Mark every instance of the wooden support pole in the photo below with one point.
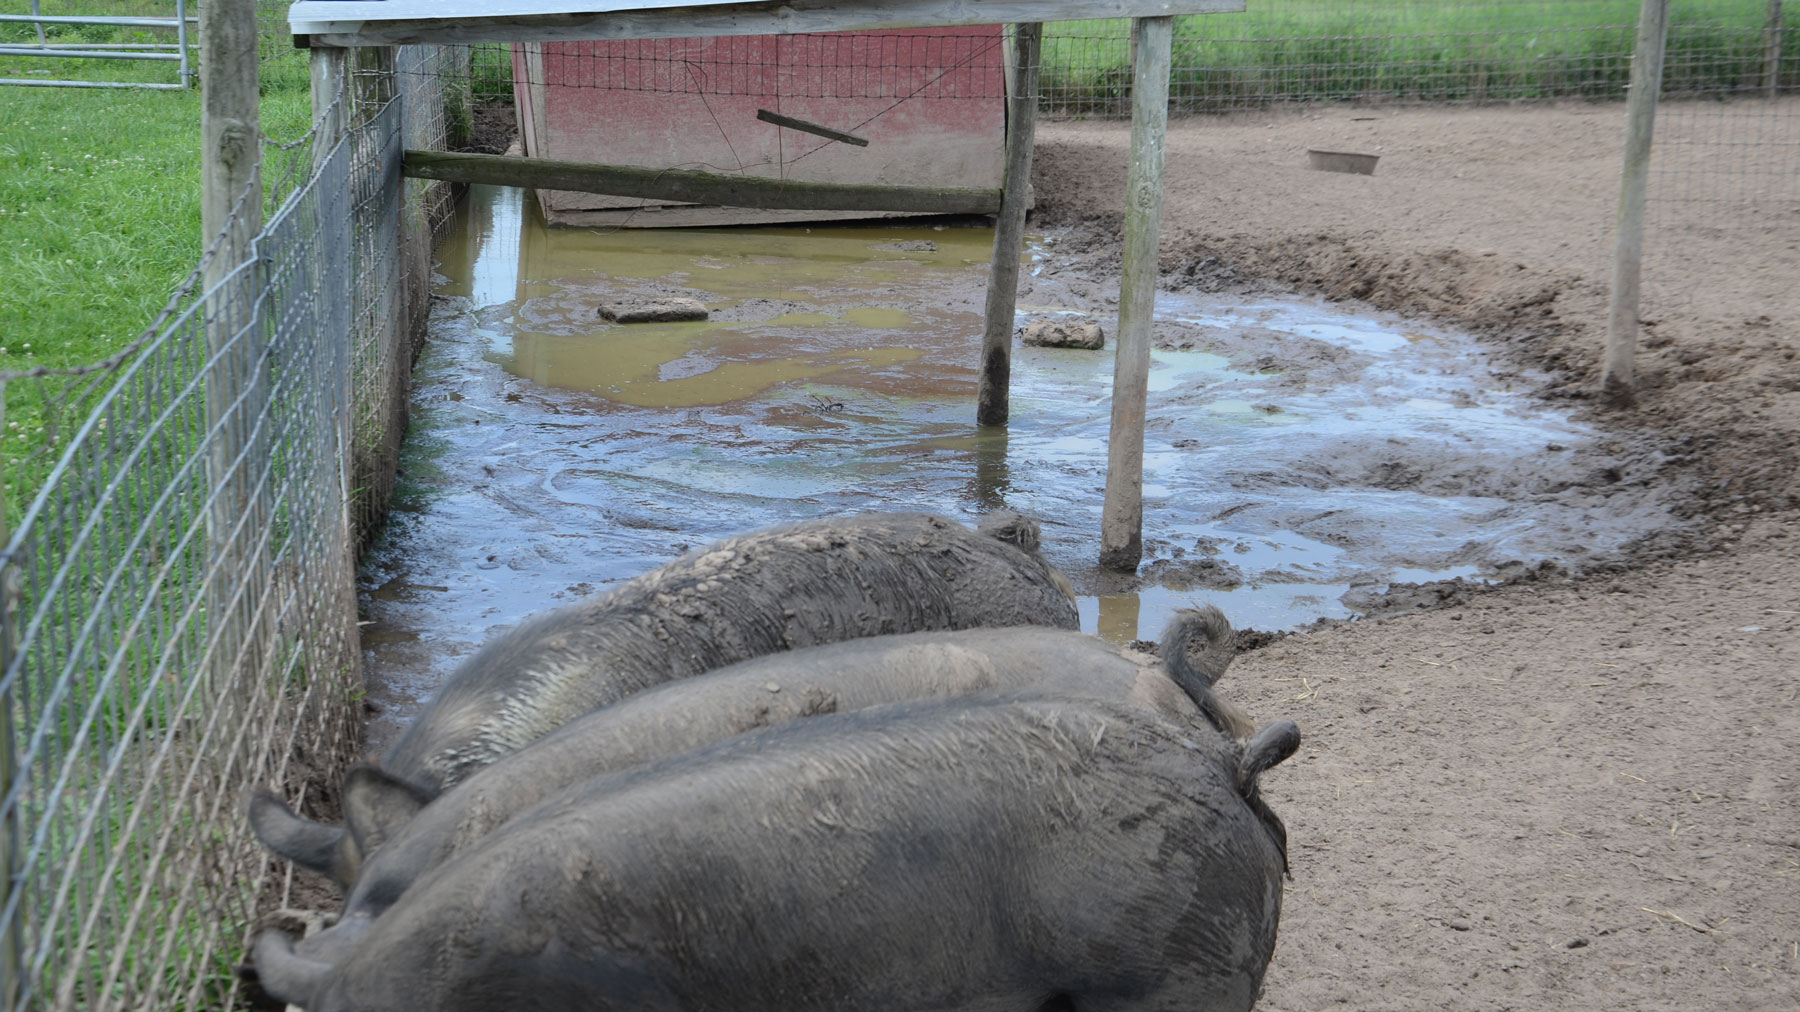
(330, 100)
(697, 187)
(1122, 515)
(994, 405)
(230, 131)
(230, 218)
(1772, 50)
(1618, 380)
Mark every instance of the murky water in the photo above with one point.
(1295, 457)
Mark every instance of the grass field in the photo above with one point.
(99, 208)
(1426, 50)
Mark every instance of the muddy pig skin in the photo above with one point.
(985, 853)
(717, 705)
(806, 584)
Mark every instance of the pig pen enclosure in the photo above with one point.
(1565, 777)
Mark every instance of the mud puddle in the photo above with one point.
(1298, 460)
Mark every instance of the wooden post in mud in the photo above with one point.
(1122, 516)
(1618, 379)
(994, 404)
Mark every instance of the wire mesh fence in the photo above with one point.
(1724, 167)
(179, 588)
(1308, 51)
(1276, 52)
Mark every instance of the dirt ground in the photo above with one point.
(1574, 791)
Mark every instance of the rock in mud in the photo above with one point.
(664, 310)
(1056, 334)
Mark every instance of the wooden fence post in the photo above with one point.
(1618, 380)
(230, 130)
(1122, 516)
(330, 99)
(231, 216)
(994, 405)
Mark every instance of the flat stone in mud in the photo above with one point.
(665, 310)
(1054, 334)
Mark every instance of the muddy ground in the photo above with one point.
(1572, 791)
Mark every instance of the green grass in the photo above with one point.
(1426, 50)
(99, 213)
(491, 74)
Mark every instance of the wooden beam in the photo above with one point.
(1618, 380)
(688, 186)
(769, 116)
(1122, 513)
(414, 22)
(230, 217)
(993, 406)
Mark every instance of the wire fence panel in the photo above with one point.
(180, 592)
(141, 716)
(1276, 52)
(1719, 172)
(1310, 51)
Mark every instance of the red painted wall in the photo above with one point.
(931, 103)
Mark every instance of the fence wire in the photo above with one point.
(1720, 172)
(180, 605)
(1277, 52)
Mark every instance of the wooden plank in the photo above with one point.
(696, 187)
(1618, 380)
(412, 22)
(1122, 513)
(993, 406)
(768, 116)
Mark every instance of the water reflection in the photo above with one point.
(1117, 618)
(992, 482)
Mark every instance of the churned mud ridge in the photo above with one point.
(1621, 481)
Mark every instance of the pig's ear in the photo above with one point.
(307, 843)
(376, 806)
